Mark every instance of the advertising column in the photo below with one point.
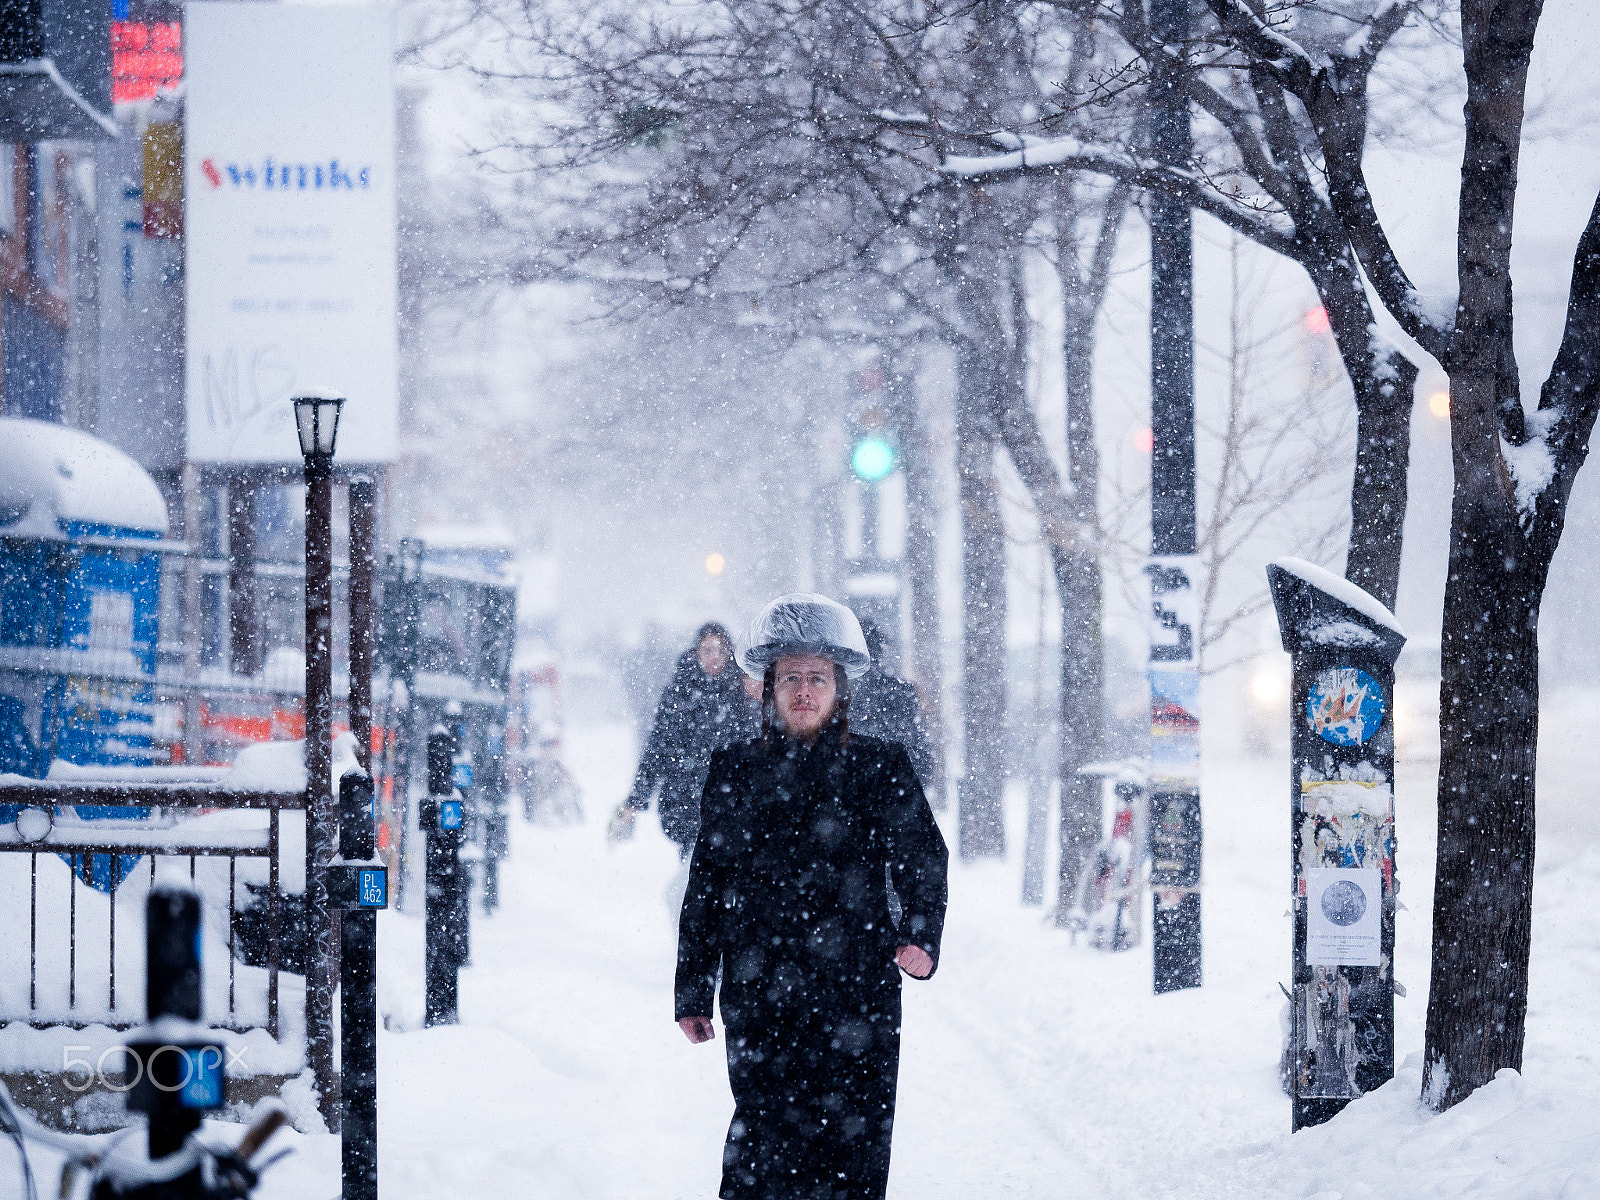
(1343, 886)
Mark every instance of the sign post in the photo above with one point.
(358, 884)
(1174, 795)
(1343, 645)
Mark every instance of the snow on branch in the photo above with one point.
(1570, 398)
(1272, 230)
(1261, 41)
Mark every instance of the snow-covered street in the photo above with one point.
(1032, 1067)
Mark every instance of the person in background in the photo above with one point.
(702, 708)
(885, 707)
(787, 911)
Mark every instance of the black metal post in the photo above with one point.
(405, 611)
(172, 989)
(244, 626)
(177, 1069)
(321, 817)
(442, 818)
(363, 536)
(358, 1000)
(1342, 881)
(1175, 766)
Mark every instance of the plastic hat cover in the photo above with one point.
(805, 623)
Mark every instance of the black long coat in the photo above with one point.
(787, 898)
(697, 714)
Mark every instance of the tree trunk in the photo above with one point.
(1489, 727)
(980, 796)
(1378, 489)
(1489, 692)
(1082, 646)
(922, 575)
(1383, 381)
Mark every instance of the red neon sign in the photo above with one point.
(144, 59)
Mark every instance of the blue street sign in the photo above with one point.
(450, 814)
(374, 888)
(461, 775)
(202, 1087)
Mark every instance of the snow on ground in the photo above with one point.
(1031, 1067)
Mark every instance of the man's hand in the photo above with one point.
(698, 1029)
(914, 961)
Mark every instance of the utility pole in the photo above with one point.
(1175, 830)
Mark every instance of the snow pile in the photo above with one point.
(1343, 633)
(1513, 1138)
(52, 474)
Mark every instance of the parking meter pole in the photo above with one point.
(1343, 644)
(441, 819)
(358, 997)
(172, 989)
(468, 850)
(175, 1065)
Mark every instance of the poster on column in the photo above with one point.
(289, 186)
(1344, 910)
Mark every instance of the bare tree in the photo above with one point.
(1259, 170)
(1514, 472)
(711, 135)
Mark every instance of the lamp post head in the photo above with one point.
(316, 419)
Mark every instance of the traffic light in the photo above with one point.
(872, 458)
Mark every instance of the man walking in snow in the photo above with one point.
(788, 900)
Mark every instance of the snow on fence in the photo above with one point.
(77, 876)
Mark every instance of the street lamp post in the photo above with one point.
(316, 418)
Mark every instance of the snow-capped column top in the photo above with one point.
(1318, 609)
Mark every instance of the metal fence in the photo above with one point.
(103, 846)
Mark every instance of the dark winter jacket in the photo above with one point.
(886, 708)
(788, 900)
(788, 878)
(698, 713)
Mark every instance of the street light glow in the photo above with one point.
(872, 460)
(1439, 404)
(714, 563)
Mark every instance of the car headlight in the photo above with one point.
(1268, 688)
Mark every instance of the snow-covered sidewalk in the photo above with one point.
(1031, 1067)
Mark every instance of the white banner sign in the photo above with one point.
(1344, 917)
(289, 185)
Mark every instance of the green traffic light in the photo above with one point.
(872, 459)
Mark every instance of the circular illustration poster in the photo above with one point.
(1345, 706)
(1344, 903)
